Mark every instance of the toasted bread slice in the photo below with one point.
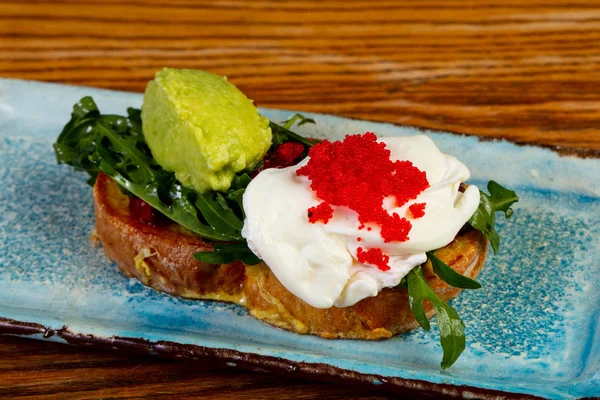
(162, 258)
(377, 317)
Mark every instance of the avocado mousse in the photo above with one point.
(202, 128)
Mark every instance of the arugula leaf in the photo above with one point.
(450, 276)
(303, 120)
(238, 188)
(218, 214)
(403, 283)
(225, 253)
(237, 197)
(240, 181)
(282, 134)
(115, 145)
(451, 327)
(500, 199)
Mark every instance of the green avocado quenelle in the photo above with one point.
(202, 128)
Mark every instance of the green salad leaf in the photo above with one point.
(450, 276)
(297, 117)
(225, 253)
(500, 199)
(115, 145)
(282, 133)
(450, 326)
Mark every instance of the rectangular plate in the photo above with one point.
(533, 329)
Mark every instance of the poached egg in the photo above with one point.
(318, 262)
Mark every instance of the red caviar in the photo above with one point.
(290, 151)
(285, 155)
(417, 210)
(374, 257)
(395, 228)
(322, 212)
(358, 173)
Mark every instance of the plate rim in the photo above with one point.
(254, 362)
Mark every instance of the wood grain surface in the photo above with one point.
(33, 369)
(524, 70)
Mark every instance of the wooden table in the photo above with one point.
(527, 71)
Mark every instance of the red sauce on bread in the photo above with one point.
(145, 213)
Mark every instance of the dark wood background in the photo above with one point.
(523, 70)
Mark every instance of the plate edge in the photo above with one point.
(256, 362)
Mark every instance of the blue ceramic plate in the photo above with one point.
(533, 329)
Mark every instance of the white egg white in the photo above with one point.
(317, 262)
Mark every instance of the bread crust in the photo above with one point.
(378, 317)
(162, 258)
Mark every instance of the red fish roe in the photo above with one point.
(395, 227)
(289, 152)
(322, 212)
(285, 154)
(357, 173)
(374, 257)
(417, 210)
